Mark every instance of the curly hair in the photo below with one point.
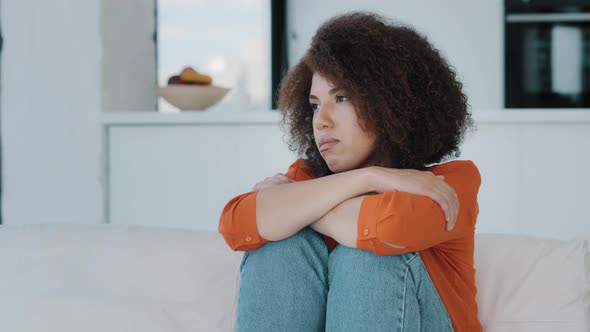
(403, 91)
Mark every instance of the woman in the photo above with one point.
(364, 232)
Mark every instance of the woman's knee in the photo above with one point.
(356, 261)
(284, 282)
(305, 239)
(380, 286)
(305, 246)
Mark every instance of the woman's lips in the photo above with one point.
(328, 145)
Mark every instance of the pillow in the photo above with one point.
(115, 278)
(532, 284)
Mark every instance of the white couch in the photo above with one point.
(132, 278)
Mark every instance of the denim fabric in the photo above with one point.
(296, 285)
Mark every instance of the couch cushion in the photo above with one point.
(115, 278)
(532, 284)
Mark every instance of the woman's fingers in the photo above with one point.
(270, 181)
(453, 201)
(422, 183)
(448, 200)
(279, 178)
(441, 198)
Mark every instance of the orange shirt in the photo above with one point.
(412, 221)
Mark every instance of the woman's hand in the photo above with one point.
(419, 183)
(272, 181)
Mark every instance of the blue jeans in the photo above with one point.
(296, 285)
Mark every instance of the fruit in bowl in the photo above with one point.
(190, 76)
(191, 90)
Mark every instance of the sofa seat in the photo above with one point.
(66, 278)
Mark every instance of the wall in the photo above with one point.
(129, 55)
(468, 33)
(50, 103)
(533, 177)
(65, 62)
(1, 42)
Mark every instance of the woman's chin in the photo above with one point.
(331, 163)
(336, 166)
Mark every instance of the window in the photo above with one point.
(229, 40)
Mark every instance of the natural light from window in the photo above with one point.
(228, 40)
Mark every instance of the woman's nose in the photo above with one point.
(323, 117)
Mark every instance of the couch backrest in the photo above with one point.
(532, 284)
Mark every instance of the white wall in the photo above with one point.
(63, 63)
(534, 178)
(52, 72)
(468, 33)
(129, 55)
(51, 102)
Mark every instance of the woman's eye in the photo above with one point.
(341, 98)
(313, 106)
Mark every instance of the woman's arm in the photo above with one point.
(283, 210)
(341, 222)
(397, 222)
(277, 208)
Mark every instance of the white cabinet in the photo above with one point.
(180, 170)
(181, 175)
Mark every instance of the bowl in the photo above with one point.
(191, 97)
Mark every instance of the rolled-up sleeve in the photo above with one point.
(412, 222)
(237, 223)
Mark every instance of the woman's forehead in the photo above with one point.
(319, 80)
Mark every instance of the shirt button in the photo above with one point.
(248, 238)
(366, 231)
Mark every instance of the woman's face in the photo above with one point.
(342, 142)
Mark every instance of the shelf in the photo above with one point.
(134, 118)
(548, 116)
(190, 118)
